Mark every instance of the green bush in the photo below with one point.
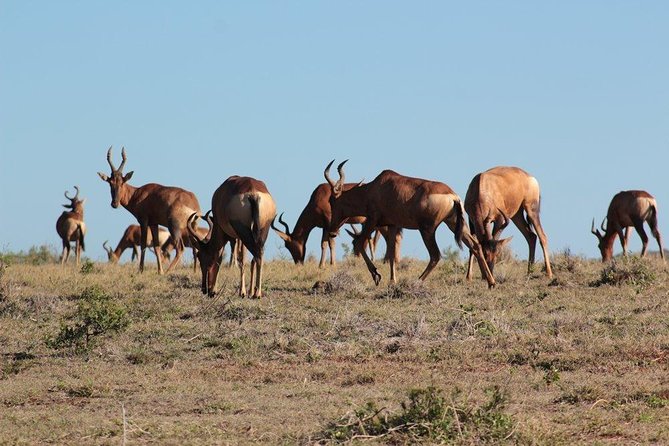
(96, 315)
(427, 416)
(36, 255)
(633, 271)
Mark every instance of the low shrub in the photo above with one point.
(95, 316)
(427, 416)
(627, 271)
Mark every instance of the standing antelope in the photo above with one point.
(398, 202)
(131, 239)
(495, 195)
(242, 209)
(71, 227)
(628, 208)
(152, 205)
(316, 214)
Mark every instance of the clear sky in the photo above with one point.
(576, 93)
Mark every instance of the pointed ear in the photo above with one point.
(83, 201)
(284, 237)
(103, 176)
(128, 175)
(504, 241)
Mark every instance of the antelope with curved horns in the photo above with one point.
(71, 227)
(152, 205)
(242, 209)
(494, 197)
(316, 214)
(398, 202)
(628, 208)
(131, 239)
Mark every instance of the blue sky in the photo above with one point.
(576, 93)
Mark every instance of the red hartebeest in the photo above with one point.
(628, 208)
(398, 202)
(131, 239)
(152, 205)
(242, 209)
(71, 227)
(496, 195)
(316, 214)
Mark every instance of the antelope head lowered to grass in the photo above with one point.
(398, 201)
(628, 208)
(493, 197)
(71, 227)
(131, 239)
(316, 214)
(152, 205)
(242, 209)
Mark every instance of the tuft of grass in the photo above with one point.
(627, 271)
(96, 315)
(341, 282)
(87, 267)
(427, 416)
(406, 289)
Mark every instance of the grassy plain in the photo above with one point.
(575, 362)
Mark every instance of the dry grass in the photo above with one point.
(576, 363)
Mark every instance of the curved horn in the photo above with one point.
(287, 231)
(340, 171)
(595, 231)
(191, 224)
(109, 159)
(355, 230)
(77, 194)
(106, 248)
(124, 159)
(602, 225)
(68, 197)
(326, 173)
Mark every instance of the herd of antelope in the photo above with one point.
(243, 211)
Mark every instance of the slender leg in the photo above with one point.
(63, 258)
(535, 221)
(77, 251)
(652, 222)
(135, 253)
(333, 255)
(366, 230)
(525, 229)
(242, 278)
(175, 231)
(638, 225)
(324, 245)
(430, 241)
(144, 233)
(194, 259)
(252, 282)
(156, 247)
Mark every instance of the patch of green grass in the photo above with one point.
(633, 271)
(427, 416)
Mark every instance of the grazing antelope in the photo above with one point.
(152, 205)
(71, 227)
(131, 239)
(628, 208)
(398, 202)
(316, 214)
(495, 195)
(242, 209)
